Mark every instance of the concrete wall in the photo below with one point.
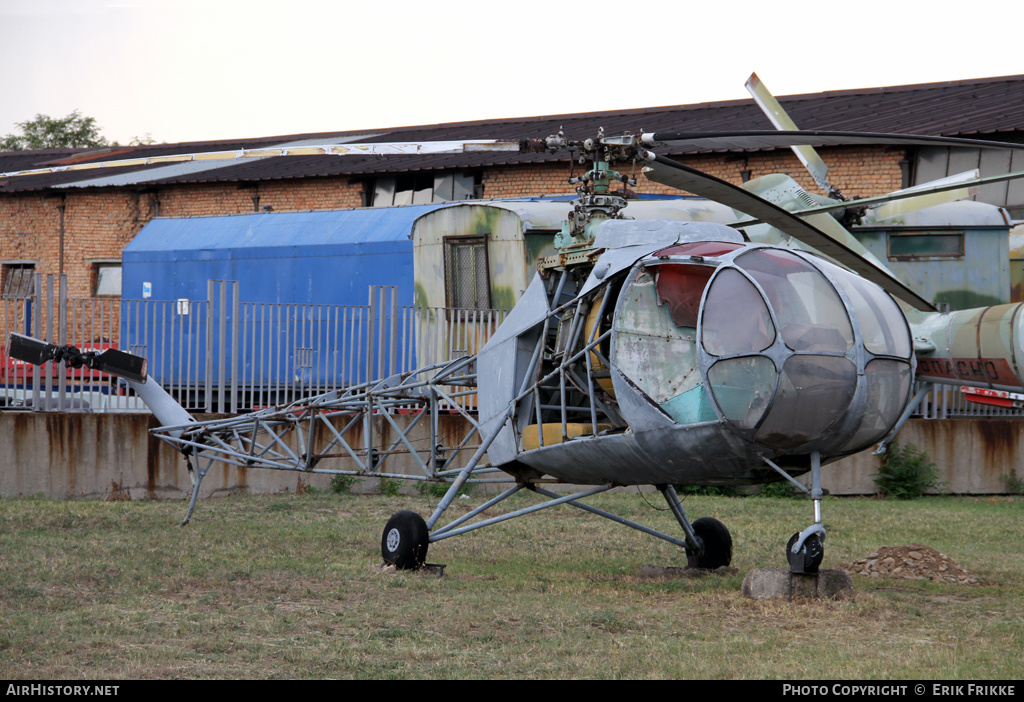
(93, 455)
(973, 456)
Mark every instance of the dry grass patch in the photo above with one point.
(290, 586)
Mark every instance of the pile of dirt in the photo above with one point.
(913, 562)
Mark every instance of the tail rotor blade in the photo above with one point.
(112, 361)
(122, 364)
(29, 350)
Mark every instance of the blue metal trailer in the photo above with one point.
(297, 313)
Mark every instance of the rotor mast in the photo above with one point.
(596, 201)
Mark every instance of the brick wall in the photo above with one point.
(98, 224)
(861, 172)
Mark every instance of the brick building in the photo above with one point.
(78, 222)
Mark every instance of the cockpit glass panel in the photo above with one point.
(743, 387)
(888, 384)
(681, 287)
(811, 314)
(881, 321)
(736, 319)
(814, 392)
(651, 349)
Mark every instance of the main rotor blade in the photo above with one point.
(951, 183)
(768, 139)
(668, 172)
(936, 192)
(782, 121)
(382, 149)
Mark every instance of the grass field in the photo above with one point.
(289, 586)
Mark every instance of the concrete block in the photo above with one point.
(767, 583)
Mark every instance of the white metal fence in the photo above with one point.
(947, 402)
(225, 355)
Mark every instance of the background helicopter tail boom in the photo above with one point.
(982, 347)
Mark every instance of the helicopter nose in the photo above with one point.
(801, 355)
(787, 350)
(778, 349)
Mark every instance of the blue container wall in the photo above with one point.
(325, 276)
(284, 260)
(302, 257)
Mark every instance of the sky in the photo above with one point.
(197, 70)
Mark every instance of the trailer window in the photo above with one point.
(466, 279)
(926, 246)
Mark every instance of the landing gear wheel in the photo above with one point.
(717, 545)
(405, 539)
(808, 558)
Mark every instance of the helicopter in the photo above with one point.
(643, 353)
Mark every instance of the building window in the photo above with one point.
(424, 188)
(106, 278)
(926, 246)
(466, 279)
(19, 280)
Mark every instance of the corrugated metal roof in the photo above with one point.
(988, 107)
(261, 235)
(326, 257)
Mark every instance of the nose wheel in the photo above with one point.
(805, 554)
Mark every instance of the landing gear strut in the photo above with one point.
(806, 549)
(708, 543)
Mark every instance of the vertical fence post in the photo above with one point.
(234, 346)
(222, 311)
(392, 369)
(381, 313)
(36, 324)
(208, 346)
(62, 339)
(50, 336)
(371, 322)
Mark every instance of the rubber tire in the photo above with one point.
(810, 556)
(404, 541)
(717, 545)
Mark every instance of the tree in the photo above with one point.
(45, 132)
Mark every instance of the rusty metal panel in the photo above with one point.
(1016, 281)
(992, 162)
(1015, 188)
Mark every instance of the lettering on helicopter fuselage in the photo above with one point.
(995, 371)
